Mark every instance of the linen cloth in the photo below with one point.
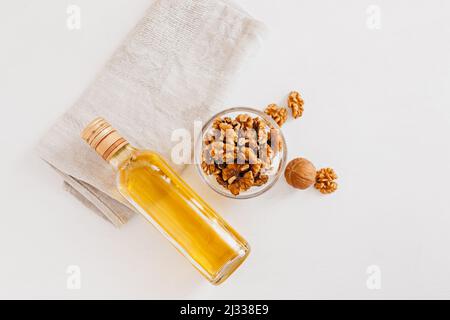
(169, 71)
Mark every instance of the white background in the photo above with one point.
(377, 110)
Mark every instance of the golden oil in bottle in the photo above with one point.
(163, 198)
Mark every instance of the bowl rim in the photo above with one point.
(199, 144)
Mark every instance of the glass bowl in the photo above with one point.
(273, 172)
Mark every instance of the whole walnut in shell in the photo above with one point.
(300, 173)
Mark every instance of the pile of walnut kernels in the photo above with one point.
(239, 152)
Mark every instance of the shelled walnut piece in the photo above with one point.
(238, 152)
(279, 114)
(295, 102)
(325, 180)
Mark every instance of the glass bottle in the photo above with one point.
(164, 199)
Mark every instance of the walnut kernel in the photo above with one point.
(295, 102)
(279, 114)
(325, 180)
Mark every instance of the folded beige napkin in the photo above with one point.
(169, 71)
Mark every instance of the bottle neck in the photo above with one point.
(121, 156)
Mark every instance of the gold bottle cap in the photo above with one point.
(103, 138)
